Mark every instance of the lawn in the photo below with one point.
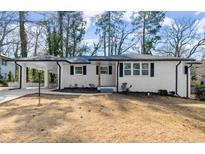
(106, 118)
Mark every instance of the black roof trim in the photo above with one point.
(195, 62)
(40, 60)
(46, 60)
(89, 59)
(142, 60)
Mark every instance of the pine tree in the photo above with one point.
(107, 28)
(148, 26)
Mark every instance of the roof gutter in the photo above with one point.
(117, 76)
(20, 72)
(187, 82)
(142, 59)
(176, 86)
(59, 73)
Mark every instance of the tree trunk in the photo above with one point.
(67, 35)
(36, 44)
(74, 43)
(60, 22)
(104, 43)
(109, 33)
(23, 36)
(143, 34)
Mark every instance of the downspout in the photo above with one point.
(187, 82)
(59, 82)
(117, 76)
(176, 86)
(20, 72)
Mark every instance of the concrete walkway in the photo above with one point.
(7, 95)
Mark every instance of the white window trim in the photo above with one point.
(127, 69)
(136, 69)
(132, 69)
(79, 73)
(148, 69)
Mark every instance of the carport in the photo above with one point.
(47, 64)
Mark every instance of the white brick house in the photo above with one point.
(145, 73)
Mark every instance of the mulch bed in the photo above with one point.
(78, 90)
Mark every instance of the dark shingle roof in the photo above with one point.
(87, 59)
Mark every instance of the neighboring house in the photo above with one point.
(145, 73)
(6, 67)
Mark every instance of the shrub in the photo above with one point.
(199, 92)
(1, 77)
(10, 77)
(3, 82)
(163, 92)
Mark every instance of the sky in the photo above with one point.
(128, 17)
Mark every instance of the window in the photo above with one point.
(145, 68)
(103, 70)
(136, 69)
(127, 69)
(79, 70)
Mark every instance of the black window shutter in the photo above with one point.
(121, 69)
(71, 70)
(185, 69)
(110, 69)
(152, 70)
(84, 70)
(97, 70)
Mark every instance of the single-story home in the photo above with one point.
(142, 73)
(6, 67)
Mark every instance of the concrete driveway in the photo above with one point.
(7, 94)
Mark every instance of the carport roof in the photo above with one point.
(88, 59)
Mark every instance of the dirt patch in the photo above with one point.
(106, 118)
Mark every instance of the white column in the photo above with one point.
(62, 76)
(189, 82)
(23, 76)
(46, 78)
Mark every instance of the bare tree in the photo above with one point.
(96, 47)
(181, 38)
(6, 27)
(125, 40)
(35, 38)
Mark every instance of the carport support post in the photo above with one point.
(39, 84)
(46, 78)
(59, 75)
(23, 76)
(39, 88)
